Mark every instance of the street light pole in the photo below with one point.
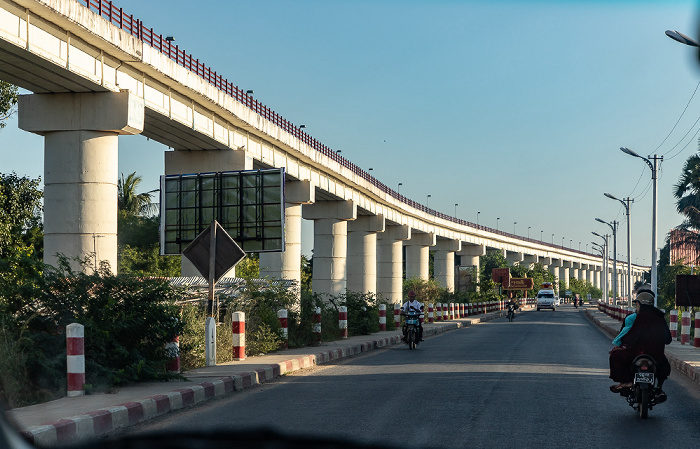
(477, 218)
(613, 226)
(654, 170)
(514, 223)
(627, 202)
(605, 264)
(497, 218)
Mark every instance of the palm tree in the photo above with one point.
(129, 201)
(687, 194)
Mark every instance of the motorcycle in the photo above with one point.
(645, 393)
(511, 312)
(411, 329)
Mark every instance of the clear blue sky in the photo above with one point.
(515, 109)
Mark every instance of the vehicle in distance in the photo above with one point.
(546, 298)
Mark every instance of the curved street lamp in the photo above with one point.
(605, 264)
(682, 38)
(626, 202)
(654, 167)
(613, 226)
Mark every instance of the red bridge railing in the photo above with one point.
(136, 28)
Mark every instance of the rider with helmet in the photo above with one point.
(412, 305)
(643, 332)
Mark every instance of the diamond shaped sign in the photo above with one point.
(226, 255)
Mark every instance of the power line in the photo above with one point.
(679, 118)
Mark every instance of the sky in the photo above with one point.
(513, 110)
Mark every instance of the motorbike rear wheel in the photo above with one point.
(510, 315)
(644, 403)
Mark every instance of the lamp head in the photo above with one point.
(630, 152)
(601, 221)
(610, 196)
(682, 38)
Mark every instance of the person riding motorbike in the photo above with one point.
(643, 332)
(512, 304)
(412, 305)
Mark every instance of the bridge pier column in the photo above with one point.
(514, 258)
(181, 162)
(330, 244)
(564, 275)
(469, 255)
(390, 262)
(362, 253)
(418, 255)
(81, 169)
(287, 264)
(444, 263)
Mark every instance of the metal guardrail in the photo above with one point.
(136, 28)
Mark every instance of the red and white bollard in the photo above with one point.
(284, 327)
(673, 325)
(343, 321)
(696, 338)
(452, 311)
(445, 314)
(316, 323)
(438, 310)
(173, 351)
(431, 318)
(382, 317)
(397, 315)
(685, 328)
(75, 359)
(238, 334)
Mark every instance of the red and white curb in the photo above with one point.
(109, 419)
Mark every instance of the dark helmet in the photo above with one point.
(645, 295)
(411, 294)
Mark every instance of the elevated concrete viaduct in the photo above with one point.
(99, 73)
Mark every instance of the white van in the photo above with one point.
(546, 298)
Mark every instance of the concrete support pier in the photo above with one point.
(81, 169)
(469, 255)
(330, 244)
(362, 253)
(287, 264)
(418, 255)
(390, 262)
(444, 263)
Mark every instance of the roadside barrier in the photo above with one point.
(445, 315)
(343, 321)
(431, 318)
(451, 312)
(173, 351)
(382, 317)
(673, 325)
(284, 327)
(238, 334)
(397, 315)
(438, 310)
(316, 323)
(696, 339)
(685, 328)
(75, 359)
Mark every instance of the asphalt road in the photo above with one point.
(541, 380)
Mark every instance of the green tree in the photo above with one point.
(687, 194)
(130, 202)
(20, 213)
(492, 259)
(8, 101)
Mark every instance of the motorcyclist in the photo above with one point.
(643, 332)
(512, 303)
(412, 305)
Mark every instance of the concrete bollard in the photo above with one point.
(382, 317)
(451, 311)
(445, 313)
(457, 314)
(685, 328)
(431, 318)
(438, 310)
(397, 315)
(316, 325)
(238, 334)
(173, 351)
(696, 338)
(673, 325)
(75, 359)
(284, 327)
(343, 321)
(421, 316)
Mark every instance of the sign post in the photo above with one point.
(213, 252)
